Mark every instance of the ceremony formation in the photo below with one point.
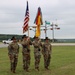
(45, 48)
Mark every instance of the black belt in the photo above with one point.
(35, 46)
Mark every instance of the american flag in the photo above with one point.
(26, 20)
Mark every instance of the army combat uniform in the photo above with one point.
(26, 54)
(46, 51)
(13, 50)
(37, 53)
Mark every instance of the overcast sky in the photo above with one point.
(61, 12)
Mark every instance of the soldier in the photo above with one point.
(13, 50)
(37, 52)
(46, 51)
(26, 52)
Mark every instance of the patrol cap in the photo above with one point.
(24, 36)
(46, 38)
(36, 37)
(13, 38)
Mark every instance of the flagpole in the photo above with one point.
(38, 21)
(28, 31)
(26, 20)
(45, 30)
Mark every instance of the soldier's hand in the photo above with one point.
(12, 47)
(10, 56)
(28, 38)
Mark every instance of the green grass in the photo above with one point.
(62, 62)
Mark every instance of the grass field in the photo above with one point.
(62, 62)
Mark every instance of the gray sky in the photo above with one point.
(61, 12)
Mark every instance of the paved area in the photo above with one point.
(3, 45)
(53, 44)
(63, 44)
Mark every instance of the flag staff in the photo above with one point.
(38, 22)
(28, 31)
(26, 20)
(45, 30)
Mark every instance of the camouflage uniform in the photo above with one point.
(13, 50)
(26, 54)
(37, 53)
(47, 48)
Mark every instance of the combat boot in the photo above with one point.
(37, 69)
(27, 70)
(24, 68)
(14, 71)
(46, 68)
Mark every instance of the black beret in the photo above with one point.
(46, 38)
(13, 38)
(24, 36)
(35, 37)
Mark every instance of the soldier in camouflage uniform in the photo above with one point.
(46, 51)
(13, 50)
(37, 52)
(26, 52)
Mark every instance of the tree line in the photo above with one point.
(19, 37)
